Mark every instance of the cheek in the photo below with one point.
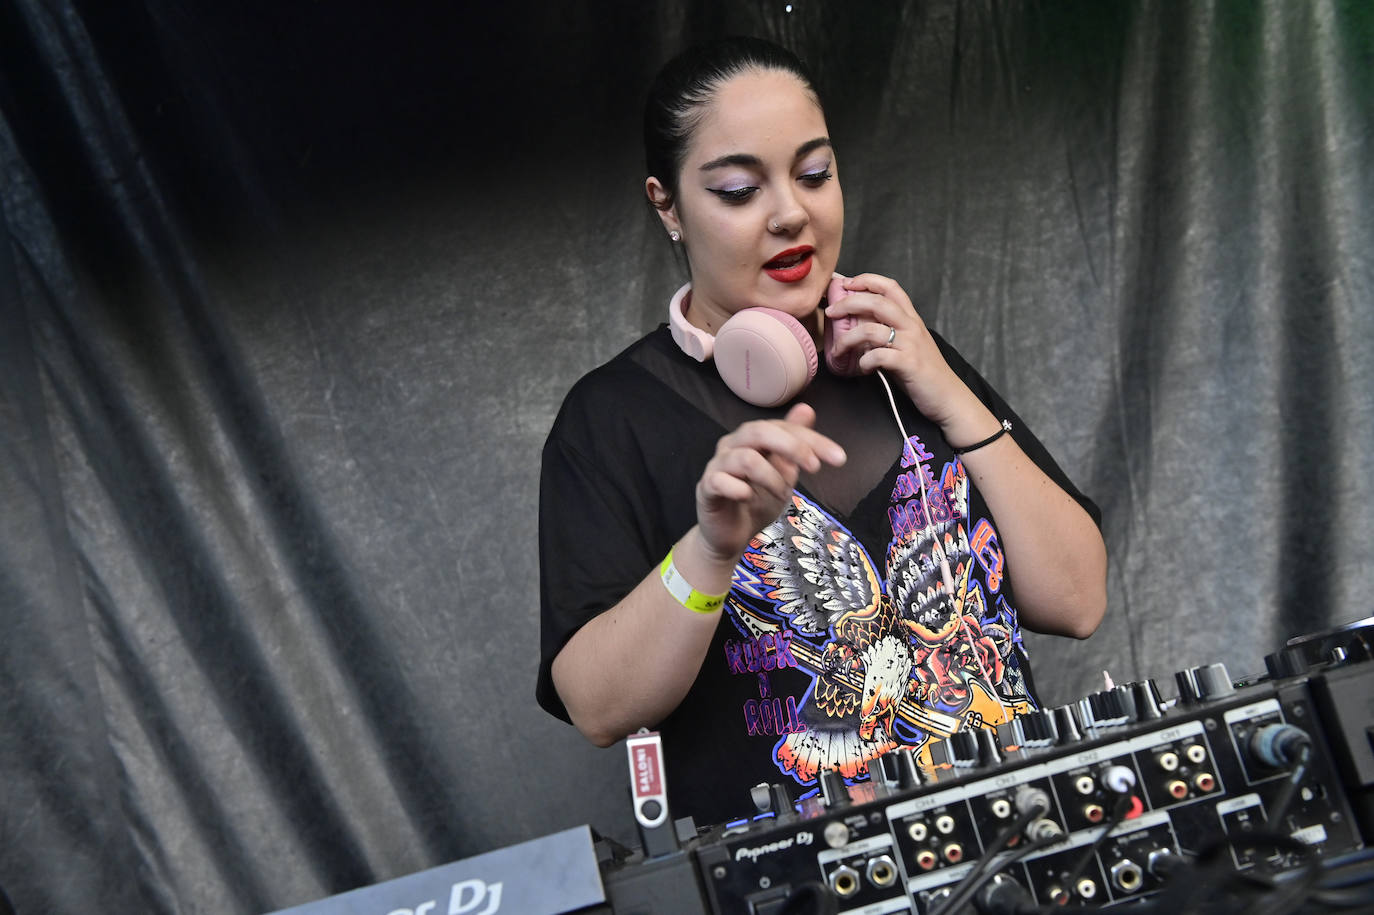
(730, 242)
(833, 215)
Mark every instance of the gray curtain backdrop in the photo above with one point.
(291, 293)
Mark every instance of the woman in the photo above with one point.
(785, 589)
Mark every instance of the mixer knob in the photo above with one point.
(1038, 729)
(989, 754)
(1011, 735)
(772, 799)
(888, 767)
(1066, 725)
(762, 798)
(900, 769)
(1201, 684)
(1286, 662)
(1106, 709)
(945, 753)
(1148, 705)
(967, 749)
(833, 789)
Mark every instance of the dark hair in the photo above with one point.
(688, 82)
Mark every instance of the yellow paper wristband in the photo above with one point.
(683, 592)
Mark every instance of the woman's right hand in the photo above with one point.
(751, 476)
(631, 665)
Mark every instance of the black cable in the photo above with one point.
(1118, 811)
(1350, 869)
(1193, 890)
(1290, 787)
(1004, 896)
(975, 877)
(1345, 899)
(1292, 897)
(809, 898)
(1343, 882)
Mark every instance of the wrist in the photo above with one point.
(970, 421)
(962, 450)
(705, 569)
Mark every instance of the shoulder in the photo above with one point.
(618, 405)
(620, 381)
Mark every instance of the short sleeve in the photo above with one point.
(1019, 430)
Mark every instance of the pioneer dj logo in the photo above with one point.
(758, 851)
(469, 897)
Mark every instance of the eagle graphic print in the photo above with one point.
(895, 654)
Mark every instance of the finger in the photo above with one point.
(879, 285)
(801, 414)
(797, 443)
(865, 308)
(871, 282)
(758, 474)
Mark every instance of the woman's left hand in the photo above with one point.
(1056, 550)
(891, 336)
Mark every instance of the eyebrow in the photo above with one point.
(753, 161)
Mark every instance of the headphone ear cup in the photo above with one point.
(765, 356)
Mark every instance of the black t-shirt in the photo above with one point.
(839, 639)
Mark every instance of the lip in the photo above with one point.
(795, 273)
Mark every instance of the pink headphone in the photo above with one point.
(764, 355)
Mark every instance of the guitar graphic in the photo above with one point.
(888, 656)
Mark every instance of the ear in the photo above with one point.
(660, 198)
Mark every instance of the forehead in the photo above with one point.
(754, 112)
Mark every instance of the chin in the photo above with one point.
(807, 297)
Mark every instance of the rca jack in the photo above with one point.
(844, 881)
(953, 853)
(1086, 887)
(1084, 784)
(917, 831)
(1178, 789)
(1001, 808)
(1196, 753)
(1168, 760)
(1204, 781)
(926, 860)
(1094, 813)
(881, 871)
(944, 824)
(1127, 876)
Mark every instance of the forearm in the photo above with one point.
(632, 665)
(1054, 552)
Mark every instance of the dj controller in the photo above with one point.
(1223, 796)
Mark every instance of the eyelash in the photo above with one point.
(740, 195)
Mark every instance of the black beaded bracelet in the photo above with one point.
(1006, 427)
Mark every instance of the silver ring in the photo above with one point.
(891, 335)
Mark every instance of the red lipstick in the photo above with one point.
(790, 266)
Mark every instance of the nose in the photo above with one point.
(789, 217)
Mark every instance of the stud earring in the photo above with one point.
(675, 235)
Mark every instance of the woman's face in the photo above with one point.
(759, 203)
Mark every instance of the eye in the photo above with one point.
(734, 194)
(816, 178)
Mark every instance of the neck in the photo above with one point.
(710, 320)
